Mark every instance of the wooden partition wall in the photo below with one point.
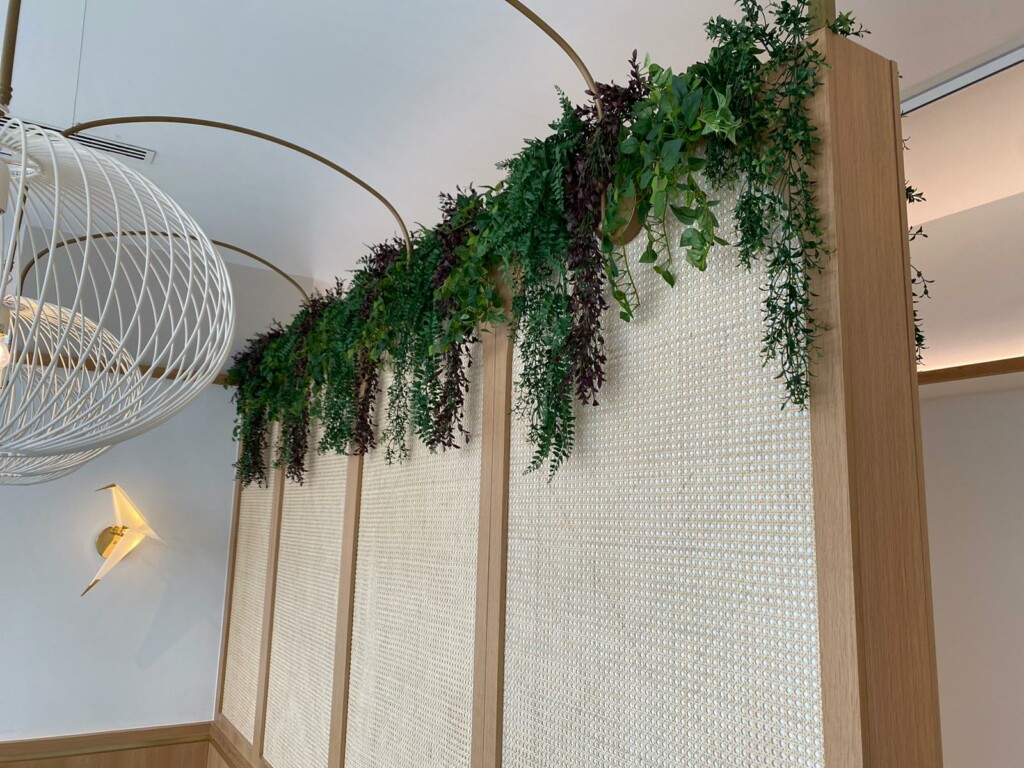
(756, 592)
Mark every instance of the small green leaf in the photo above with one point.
(670, 152)
(649, 256)
(659, 200)
(691, 107)
(692, 238)
(685, 215)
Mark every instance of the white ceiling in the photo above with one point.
(415, 97)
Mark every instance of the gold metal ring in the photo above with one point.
(564, 45)
(255, 134)
(103, 235)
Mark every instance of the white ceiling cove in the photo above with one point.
(414, 97)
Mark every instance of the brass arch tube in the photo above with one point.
(564, 45)
(255, 134)
(7, 56)
(268, 264)
(27, 269)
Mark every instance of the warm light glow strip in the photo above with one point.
(959, 82)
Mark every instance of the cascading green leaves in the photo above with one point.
(740, 117)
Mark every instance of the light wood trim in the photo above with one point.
(214, 758)
(879, 691)
(492, 547)
(233, 747)
(823, 12)
(346, 609)
(930, 665)
(188, 755)
(108, 741)
(269, 604)
(971, 371)
(229, 589)
(44, 359)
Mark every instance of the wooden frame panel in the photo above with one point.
(879, 683)
(228, 592)
(267, 636)
(251, 750)
(346, 608)
(492, 551)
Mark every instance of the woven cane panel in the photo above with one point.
(661, 590)
(411, 682)
(305, 615)
(245, 624)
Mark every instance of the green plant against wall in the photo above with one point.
(548, 233)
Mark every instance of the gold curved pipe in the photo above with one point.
(103, 235)
(7, 57)
(269, 265)
(255, 134)
(564, 45)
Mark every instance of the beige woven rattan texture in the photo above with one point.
(245, 624)
(661, 590)
(411, 682)
(305, 615)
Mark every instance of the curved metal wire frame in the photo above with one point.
(33, 470)
(86, 329)
(548, 30)
(268, 264)
(27, 269)
(89, 125)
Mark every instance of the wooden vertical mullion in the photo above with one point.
(228, 592)
(346, 608)
(269, 601)
(483, 549)
(492, 549)
(876, 636)
(931, 671)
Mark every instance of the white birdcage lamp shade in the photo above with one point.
(115, 307)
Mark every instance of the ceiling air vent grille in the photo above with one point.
(110, 146)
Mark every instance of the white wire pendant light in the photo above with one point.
(116, 310)
(31, 470)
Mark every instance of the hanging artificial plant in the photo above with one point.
(549, 232)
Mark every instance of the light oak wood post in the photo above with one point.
(229, 592)
(879, 682)
(492, 548)
(346, 608)
(823, 12)
(269, 602)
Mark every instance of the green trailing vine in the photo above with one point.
(919, 284)
(547, 233)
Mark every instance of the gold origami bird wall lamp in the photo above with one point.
(116, 541)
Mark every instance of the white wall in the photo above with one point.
(974, 472)
(142, 648)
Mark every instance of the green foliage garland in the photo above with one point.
(547, 233)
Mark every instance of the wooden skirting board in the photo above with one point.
(195, 745)
(172, 746)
